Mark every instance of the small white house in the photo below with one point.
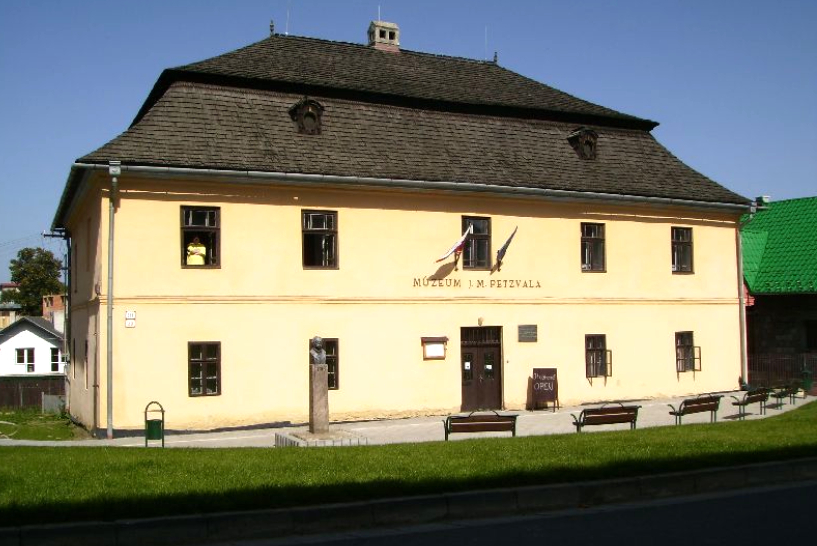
(31, 346)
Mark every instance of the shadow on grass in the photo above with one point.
(290, 496)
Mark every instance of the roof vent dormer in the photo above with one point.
(583, 141)
(384, 36)
(307, 114)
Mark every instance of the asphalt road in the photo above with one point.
(746, 517)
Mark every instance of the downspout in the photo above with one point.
(69, 283)
(114, 169)
(744, 349)
(744, 356)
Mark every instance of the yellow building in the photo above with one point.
(300, 187)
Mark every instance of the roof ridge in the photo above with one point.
(356, 45)
(408, 75)
(370, 48)
(793, 199)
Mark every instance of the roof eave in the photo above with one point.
(76, 176)
(415, 185)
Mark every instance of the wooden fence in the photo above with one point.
(767, 370)
(27, 392)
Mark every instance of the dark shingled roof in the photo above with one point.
(405, 115)
(326, 66)
(205, 126)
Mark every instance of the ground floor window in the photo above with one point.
(55, 359)
(811, 335)
(332, 362)
(598, 359)
(687, 355)
(204, 368)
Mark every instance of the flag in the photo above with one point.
(501, 252)
(459, 244)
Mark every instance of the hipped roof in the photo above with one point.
(405, 115)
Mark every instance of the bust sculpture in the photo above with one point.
(317, 354)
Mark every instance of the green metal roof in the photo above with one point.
(780, 248)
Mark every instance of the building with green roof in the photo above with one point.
(780, 248)
(780, 272)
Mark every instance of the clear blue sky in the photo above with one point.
(733, 83)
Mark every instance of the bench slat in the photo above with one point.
(759, 396)
(699, 404)
(479, 423)
(480, 427)
(607, 415)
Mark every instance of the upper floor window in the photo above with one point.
(597, 358)
(687, 355)
(320, 239)
(592, 247)
(204, 368)
(476, 252)
(200, 236)
(26, 357)
(682, 250)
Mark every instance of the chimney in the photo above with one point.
(384, 36)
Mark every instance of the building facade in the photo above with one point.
(780, 269)
(31, 347)
(446, 227)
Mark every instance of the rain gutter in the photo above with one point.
(374, 182)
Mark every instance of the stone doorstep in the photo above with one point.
(228, 526)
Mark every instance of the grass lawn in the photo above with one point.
(31, 424)
(39, 484)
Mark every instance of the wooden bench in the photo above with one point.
(608, 414)
(479, 422)
(698, 404)
(782, 392)
(756, 396)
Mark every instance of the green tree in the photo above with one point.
(9, 296)
(37, 272)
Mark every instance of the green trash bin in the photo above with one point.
(808, 381)
(154, 428)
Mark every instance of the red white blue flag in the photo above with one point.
(457, 248)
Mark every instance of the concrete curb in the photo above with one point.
(226, 526)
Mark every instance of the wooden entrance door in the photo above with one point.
(481, 368)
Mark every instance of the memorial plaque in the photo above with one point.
(528, 332)
(545, 388)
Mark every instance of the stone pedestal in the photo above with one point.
(318, 398)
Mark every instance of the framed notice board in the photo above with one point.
(545, 388)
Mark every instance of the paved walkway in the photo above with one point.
(653, 413)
